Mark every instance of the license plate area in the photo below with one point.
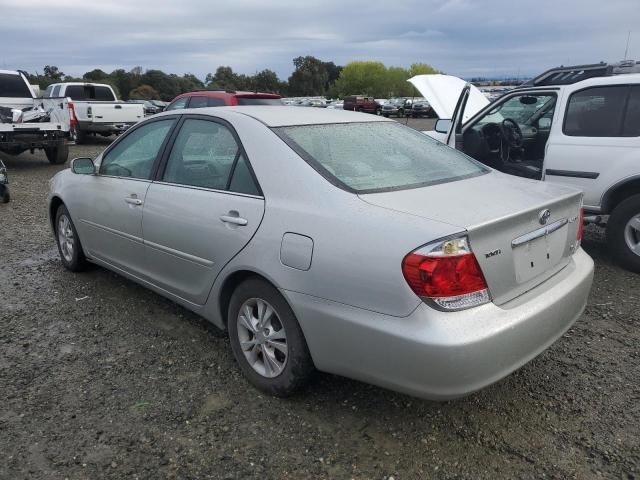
(542, 252)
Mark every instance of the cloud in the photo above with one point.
(462, 37)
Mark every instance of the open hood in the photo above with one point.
(442, 93)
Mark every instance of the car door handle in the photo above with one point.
(234, 220)
(133, 201)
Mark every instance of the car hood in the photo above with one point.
(442, 93)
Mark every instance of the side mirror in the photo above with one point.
(83, 166)
(443, 125)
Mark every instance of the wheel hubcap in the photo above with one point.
(65, 238)
(632, 234)
(262, 337)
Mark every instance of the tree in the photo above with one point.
(309, 78)
(52, 73)
(95, 75)
(144, 92)
(267, 81)
(421, 69)
(368, 78)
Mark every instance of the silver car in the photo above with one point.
(332, 240)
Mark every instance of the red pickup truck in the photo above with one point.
(361, 103)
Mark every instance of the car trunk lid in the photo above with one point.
(516, 248)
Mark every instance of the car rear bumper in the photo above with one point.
(443, 355)
(106, 127)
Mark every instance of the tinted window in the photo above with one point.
(631, 126)
(376, 156)
(180, 103)
(56, 91)
(202, 155)
(198, 102)
(242, 180)
(215, 102)
(47, 92)
(76, 92)
(13, 86)
(258, 101)
(103, 94)
(135, 154)
(596, 112)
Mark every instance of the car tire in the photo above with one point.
(59, 154)
(77, 135)
(623, 232)
(270, 349)
(5, 196)
(68, 242)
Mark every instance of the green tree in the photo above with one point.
(51, 72)
(95, 75)
(363, 77)
(309, 78)
(267, 81)
(421, 69)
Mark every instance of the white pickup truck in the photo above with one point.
(96, 109)
(30, 123)
(579, 126)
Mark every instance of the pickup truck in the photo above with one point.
(577, 126)
(30, 123)
(96, 109)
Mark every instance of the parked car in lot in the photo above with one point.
(361, 103)
(396, 107)
(435, 293)
(577, 126)
(421, 109)
(221, 98)
(336, 104)
(30, 123)
(149, 108)
(96, 109)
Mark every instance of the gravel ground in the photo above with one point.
(100, 378)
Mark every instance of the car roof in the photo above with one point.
(228, 93)
(281, 116)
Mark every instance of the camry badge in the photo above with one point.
(543, 216)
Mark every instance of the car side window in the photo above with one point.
(631, 126)
(135, 154)
(56, 91)
(215, 102)
(596, 112)
(178, 104)
(203, 155)
(242, 181)
(198, 102)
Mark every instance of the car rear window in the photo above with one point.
(372, 157)
(258, 101)
(13, 86)
(89, 92)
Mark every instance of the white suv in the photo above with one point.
(583, 133)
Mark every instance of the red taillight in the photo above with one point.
(580, 225)
(446, 273)
(73, 120)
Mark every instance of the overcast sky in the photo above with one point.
(462, 37)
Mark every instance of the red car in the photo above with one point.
(221, 98)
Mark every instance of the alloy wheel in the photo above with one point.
(262, 337)
(66, 239)
(632, 234)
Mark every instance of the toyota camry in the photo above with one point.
(332, 240)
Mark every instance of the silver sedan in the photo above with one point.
(332, 240)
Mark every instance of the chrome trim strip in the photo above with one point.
(177, 253)
(205, 189)
(114, 231)
(540, 232)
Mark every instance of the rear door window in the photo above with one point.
(56, 91)
(596, 112)
(76, 92)
(631, 126)
(203, 155)
(198, 102)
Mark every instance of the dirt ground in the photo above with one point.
(100, 378)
